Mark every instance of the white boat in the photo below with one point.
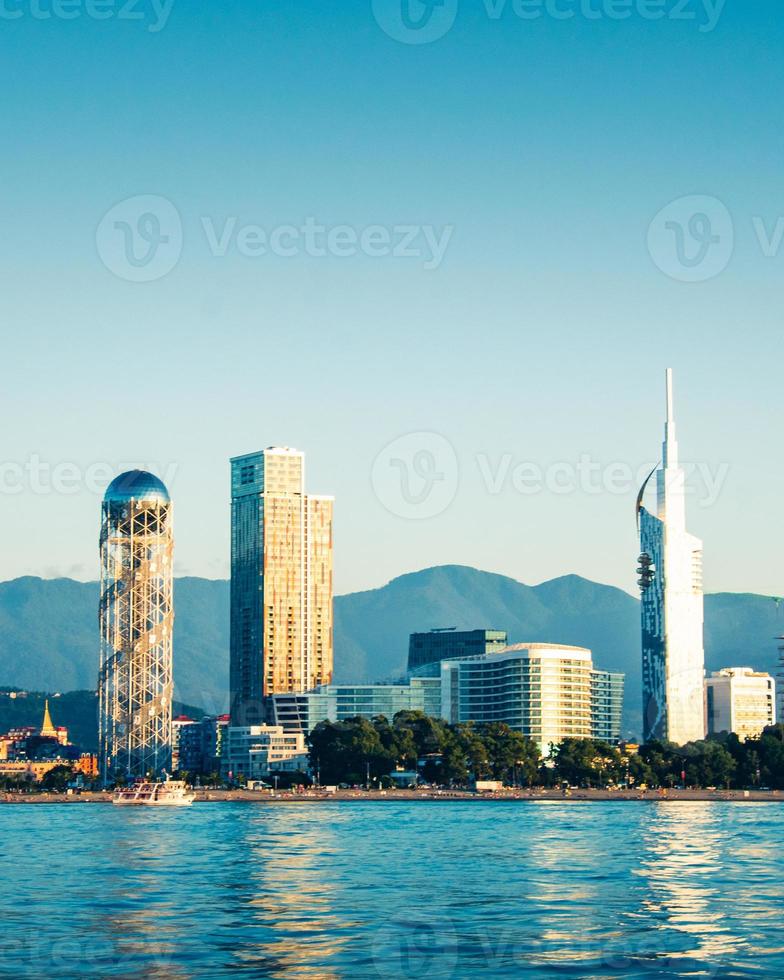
(170, 793)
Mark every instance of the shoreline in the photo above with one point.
(431, 796)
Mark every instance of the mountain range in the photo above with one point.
(48, 628)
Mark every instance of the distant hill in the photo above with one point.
(48, 628)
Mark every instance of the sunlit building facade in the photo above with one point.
(136, 618)
(543, 690)
(740, 700)
(256, 751)
(670, 580)
(337, 702)
(281, 582)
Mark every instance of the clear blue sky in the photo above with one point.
(547, 145)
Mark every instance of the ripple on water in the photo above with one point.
(395, 890)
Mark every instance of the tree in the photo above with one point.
(510, 754)
(57, 779)
(574, 761)
(344, 750)
(472, 745)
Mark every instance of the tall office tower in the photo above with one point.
(136, 619)
(670, 570)
(281, 582)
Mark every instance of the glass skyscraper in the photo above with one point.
(281, 582)
(670, 570)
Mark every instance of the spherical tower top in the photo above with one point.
(136, 485)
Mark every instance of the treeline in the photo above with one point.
(361, 749)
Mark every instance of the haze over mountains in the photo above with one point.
(48, 628)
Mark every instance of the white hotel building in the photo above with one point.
(546, 691)
(740, 700)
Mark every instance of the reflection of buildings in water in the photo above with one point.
(137, 930)
(566, 887)
(293, 898)
(681, 862)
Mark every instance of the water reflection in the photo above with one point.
(682, 864)
(393, 890)
(288, 851)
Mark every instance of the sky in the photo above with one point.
(447, 251)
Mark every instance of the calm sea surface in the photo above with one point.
(393, 890)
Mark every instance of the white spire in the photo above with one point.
(670, 447)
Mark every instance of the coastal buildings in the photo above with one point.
(607, 690)
(337, 702)
(198, 745)
(281, 583)
(182, 727)
(136, 618)
(740, 700)
(546, 691)
(426, 649)
(670, 579)
(256, 751)
(30, 752)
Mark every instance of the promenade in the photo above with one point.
(429, 796)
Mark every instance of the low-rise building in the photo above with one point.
(337, 702)
(198, 745)
(256, 751)
(739, 700)
(181, 726)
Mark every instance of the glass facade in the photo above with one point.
(607, 705)
(545, 691)
(670, 570)
(427, 649)
(336, 702)
(281, 582)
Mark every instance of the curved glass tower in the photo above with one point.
(670, 570)
(136, 619)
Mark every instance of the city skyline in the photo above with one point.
(495, 480)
